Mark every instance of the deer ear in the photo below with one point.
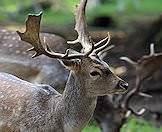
(70, 64)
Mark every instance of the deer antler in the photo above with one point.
(130, 61)
(31, 35)
(81, 27)
(101, 48)
(129, 95)
(103, 53)
(152, 50)
(83, 36)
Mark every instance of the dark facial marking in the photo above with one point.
(106, 71)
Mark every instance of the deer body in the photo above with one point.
(51, 112)
(21, 115)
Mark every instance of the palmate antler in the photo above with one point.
(83, 35)
(31, 35)
(145, 67)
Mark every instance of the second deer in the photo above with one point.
(14, 59)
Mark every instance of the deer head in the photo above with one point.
(86, 65)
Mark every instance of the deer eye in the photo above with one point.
(95, 73)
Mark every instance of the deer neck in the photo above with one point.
(78, 106)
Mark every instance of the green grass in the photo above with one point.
(91, 128)
(139, 125)
(133, 125)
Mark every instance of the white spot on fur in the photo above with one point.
(5, 108)
(17, 51)
(4, 44)
(19, 108)
(1, 123)
(3, 30)
(24, 52)
(10, 45)
(13, 38)
(2, 96)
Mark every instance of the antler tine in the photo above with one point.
(130, 94)
(144, 95)
(97, 50)
(83, 35)
(103, 53)
(136, 113)
(130, 61)
(152, 50)
(97, 45)
(140, 112)
(31, 35)
(81, 28)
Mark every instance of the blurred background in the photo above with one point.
(133, 24)
(114, 14)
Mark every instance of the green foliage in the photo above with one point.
(133, 125)
(139, 125)
(151, 6)
(71, 3)
(9, 10)
(57, 18)
(92, 128)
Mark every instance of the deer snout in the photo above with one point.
(122, 86)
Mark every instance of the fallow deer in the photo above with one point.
(31, 107)
(145, 67)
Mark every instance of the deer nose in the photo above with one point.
(123, 85)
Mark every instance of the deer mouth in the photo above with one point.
(121, 87)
